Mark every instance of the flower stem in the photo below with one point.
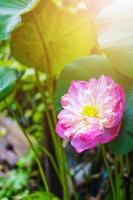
(109, 171)
(127, 164)
(116, 173)
(60, 155)
(49, 82)
(119, 169)
(47, 112)
(48, 154)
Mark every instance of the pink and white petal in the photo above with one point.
(71, 102)
(71, 124)
(92, 93)
(82, 89)
(60, 130)
(104, 88)
(109, 134)
(67, 127)
(77, 86)
(82, 145)
(104, 82)
(68, 115)
(87, 139)
(88, 127)
(79, 127)
(111, 102)
(80, 94)
(79, 91)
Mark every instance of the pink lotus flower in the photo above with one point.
(92, 112)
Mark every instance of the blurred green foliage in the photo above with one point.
(14, 185)
(19, 182)
(41, 196)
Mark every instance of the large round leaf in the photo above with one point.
(8, 78)
(94, 66)
(116, 33)
(10, 11)
(51, 37)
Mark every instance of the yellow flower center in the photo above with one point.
(91, 111)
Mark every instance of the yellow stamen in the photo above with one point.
(91, 111)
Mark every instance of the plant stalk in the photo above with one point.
(109, 172)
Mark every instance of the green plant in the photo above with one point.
(45, 36)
